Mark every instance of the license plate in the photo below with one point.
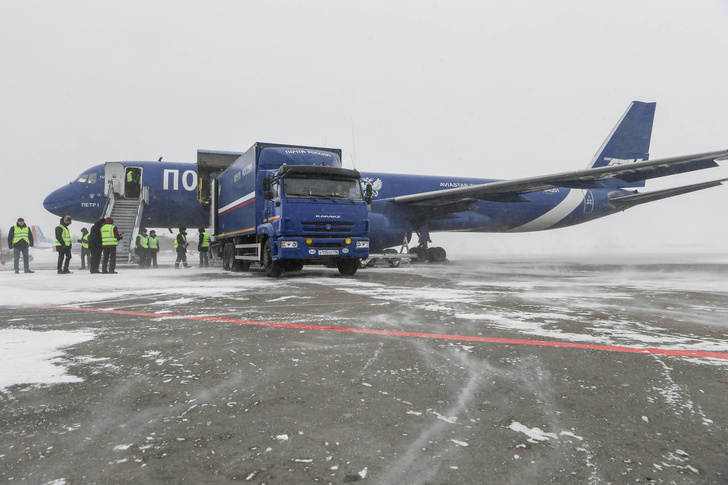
(328, 252)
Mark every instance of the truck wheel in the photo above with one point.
(228, 256)
(272, 268)
(347, 267)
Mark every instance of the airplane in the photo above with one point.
(40, 241)
(403, 205)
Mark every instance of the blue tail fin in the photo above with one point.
(629, 141)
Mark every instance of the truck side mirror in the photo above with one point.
(368, 197)
(267, 192)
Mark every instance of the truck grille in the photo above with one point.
(321, 226)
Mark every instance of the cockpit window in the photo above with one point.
(82, 178)
(92, 178)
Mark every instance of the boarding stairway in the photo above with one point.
(127, 216)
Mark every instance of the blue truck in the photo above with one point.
(285, 206)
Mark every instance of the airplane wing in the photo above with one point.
(460, 198)
(625, 202)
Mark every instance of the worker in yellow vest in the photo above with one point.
(20, 238)
(142, 248)
(63, 245)
(153, 248)
(132, 188)
(180, 245)
(84, 247)
(109, 241)
(203, 247)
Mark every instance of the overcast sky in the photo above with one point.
(472, 88)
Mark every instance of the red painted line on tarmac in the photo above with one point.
(395, 333)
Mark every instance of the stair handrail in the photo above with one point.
(110, 198)
(143, 200)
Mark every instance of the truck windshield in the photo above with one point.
(321, 188)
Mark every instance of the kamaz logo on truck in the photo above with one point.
(328, 216)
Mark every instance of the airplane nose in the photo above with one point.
(56, 202)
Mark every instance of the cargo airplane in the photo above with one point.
(406, 204)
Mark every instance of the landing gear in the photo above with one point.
(424, 252)
(436, 255)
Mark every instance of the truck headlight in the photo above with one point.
(362, 244)
(289, 244)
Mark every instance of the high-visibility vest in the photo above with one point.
(107, 235)
(66, 235)
(84, 241)
(176, 240)
(21, 234)
(205, 240)
(129, 176)
(144, 241)
(153, 242)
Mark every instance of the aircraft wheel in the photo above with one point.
(420, 254)
(436, 255)
(347, 267)
(272, 268)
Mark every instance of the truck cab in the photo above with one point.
(283, 207)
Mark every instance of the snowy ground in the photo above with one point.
(158, 374)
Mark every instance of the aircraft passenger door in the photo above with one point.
(133, 182)
(114, 173)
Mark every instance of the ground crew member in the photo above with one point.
(142, 248)
(203, 247)
(109, 241)
(20, 238)
(63, 245)
(180, 245)
(132, 189)
(84, 248)
(153, 247)
(94, 246)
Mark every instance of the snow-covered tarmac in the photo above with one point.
(454, 373)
